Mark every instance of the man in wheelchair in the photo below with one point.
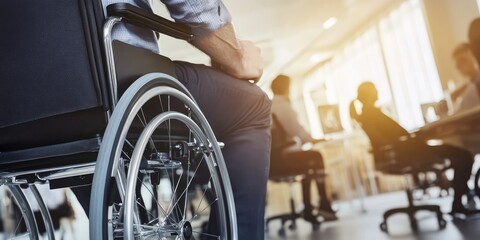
(237, 110)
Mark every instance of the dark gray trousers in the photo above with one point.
(239, 114)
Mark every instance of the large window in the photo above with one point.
(409, 59)
(395, 53)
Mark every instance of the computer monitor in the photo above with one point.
(330, 119)
(430, 111)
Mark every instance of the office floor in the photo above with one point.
(353, 224)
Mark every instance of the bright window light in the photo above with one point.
(394, 53)
(329, 23)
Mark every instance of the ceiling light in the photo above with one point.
(329, 23)
(315, 58)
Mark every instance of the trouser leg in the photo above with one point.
(310, 163)
(306, 185)
(461, 162)
(239, 113)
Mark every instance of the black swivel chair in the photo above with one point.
(280, 141)
(387, 159)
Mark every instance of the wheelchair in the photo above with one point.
(79, 109)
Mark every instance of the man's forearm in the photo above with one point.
(222, 46)
(237, 58)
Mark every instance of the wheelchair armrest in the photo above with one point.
(146, 19)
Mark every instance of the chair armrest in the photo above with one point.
(146, 19)
(283, 146)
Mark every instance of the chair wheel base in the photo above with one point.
(414, 225)
(292, 227)
(383, 227)
(442, 223)
(315, 227)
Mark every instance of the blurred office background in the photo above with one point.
(328, 47)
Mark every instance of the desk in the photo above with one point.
(462, 129)
(345, 158)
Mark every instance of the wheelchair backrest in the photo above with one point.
(53, 71)
(51, 66)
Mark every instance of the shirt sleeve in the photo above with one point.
(202, 16)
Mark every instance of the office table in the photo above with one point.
(462, 129)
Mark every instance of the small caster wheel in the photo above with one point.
(205, 227)
(383, 227)
(442, 223)
(292, 227)
(414, 226)
(281, 232)
(315, 227)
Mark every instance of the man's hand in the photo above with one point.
(252, 63)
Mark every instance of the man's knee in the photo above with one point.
(261, 104)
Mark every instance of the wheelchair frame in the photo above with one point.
(16, 180)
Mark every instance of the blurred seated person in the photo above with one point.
(372, 119)
(474, 40)
(294, 160)
(466, 96)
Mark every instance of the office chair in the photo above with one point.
(280, 141)
(387, 159)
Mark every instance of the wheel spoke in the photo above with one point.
(144, 121)
(129, 143)
(186, 197)
(203, 210)
(169, 131)
(142, 206)
(203, 197)
(188, 184)
(207, 234)
(174, 191)
(156, 200)
(189, 163)
(126, 155)
(18, 225)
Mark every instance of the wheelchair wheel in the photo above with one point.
(18, 221)
(157, 148)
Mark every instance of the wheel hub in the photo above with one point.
(161, 160)
(187, 230)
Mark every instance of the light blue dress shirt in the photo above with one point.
(203, 16)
